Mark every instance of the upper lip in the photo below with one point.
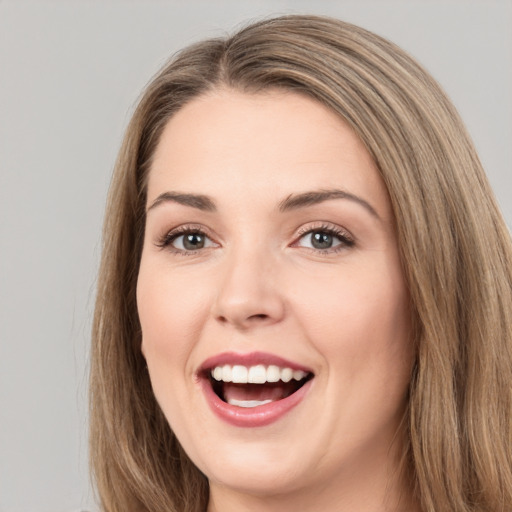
(250, 359)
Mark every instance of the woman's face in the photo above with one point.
(270, 256)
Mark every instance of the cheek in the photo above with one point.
(359, 319)
(170, 312)
(171, 309)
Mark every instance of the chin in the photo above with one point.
(256, 477)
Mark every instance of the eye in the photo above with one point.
(325, 239)
(191, 241)
(186, 240)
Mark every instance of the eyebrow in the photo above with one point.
(296, 201)
(198, 201)
(292, 202)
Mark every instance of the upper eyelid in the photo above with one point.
(344, 235)
(325, 226)
(189, 228)
(170, 235)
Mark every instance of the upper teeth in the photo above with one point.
(258, 374)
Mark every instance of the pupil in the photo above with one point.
(193, 241)
(321, 240)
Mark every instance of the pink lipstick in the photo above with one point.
(255, 389)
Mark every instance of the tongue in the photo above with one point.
(258, 392)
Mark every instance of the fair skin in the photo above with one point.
(250, 270)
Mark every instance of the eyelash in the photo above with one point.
(347, 241)
(165, 242)
(342, 235)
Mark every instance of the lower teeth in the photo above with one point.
(248, 403)
(268, 392)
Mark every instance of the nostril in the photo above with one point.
(247, 313)
(259, 316)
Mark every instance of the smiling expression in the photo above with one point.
(274, 312)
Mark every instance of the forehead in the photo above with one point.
(250, 146)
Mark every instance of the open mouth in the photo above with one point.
(254, 386)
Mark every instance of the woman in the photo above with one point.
(304, 293)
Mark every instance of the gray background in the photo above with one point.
(70, 72)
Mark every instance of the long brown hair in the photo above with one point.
(455, 248)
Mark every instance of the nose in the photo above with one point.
(248, 294)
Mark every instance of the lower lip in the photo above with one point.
(254, 416)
